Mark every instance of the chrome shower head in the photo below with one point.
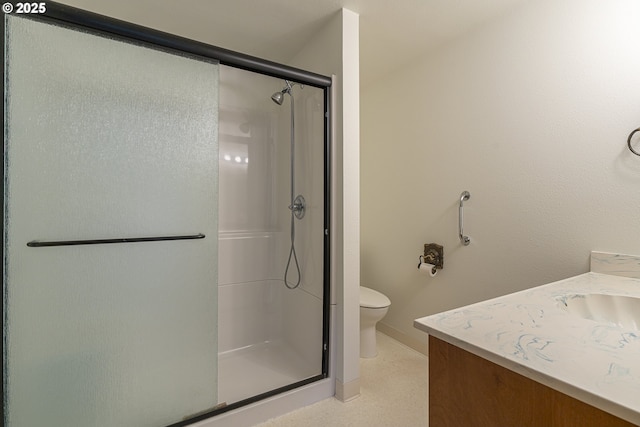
(278, 97)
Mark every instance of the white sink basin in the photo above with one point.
(620, 310)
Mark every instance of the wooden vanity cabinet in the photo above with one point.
(467, 390)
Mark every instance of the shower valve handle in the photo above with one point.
(298, 206)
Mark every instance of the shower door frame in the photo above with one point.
(99, 24)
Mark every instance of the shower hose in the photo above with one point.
(292, 207)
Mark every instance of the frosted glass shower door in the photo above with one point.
(108, 140)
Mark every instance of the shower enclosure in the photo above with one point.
(149, 226)
(270, 335)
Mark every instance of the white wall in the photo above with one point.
(531, 115)
(335, 51)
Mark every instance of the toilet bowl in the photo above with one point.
(373, 307)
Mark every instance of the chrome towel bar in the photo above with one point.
(465, 240)
(39, 244)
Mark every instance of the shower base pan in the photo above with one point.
(260, 368)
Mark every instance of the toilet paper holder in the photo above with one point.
(434, 255)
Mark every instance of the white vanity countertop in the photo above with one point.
(529, 332)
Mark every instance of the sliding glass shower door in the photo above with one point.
(110, 233)
(271, 336)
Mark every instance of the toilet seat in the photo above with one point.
(373, 299)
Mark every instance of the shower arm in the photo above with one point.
(289, 86)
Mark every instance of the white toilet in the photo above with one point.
(373, 307)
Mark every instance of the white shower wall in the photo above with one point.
(250, 305)
(255, 307)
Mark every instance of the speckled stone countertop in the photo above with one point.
(531, 333)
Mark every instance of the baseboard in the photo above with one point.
(348, 391)
(418, 345)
